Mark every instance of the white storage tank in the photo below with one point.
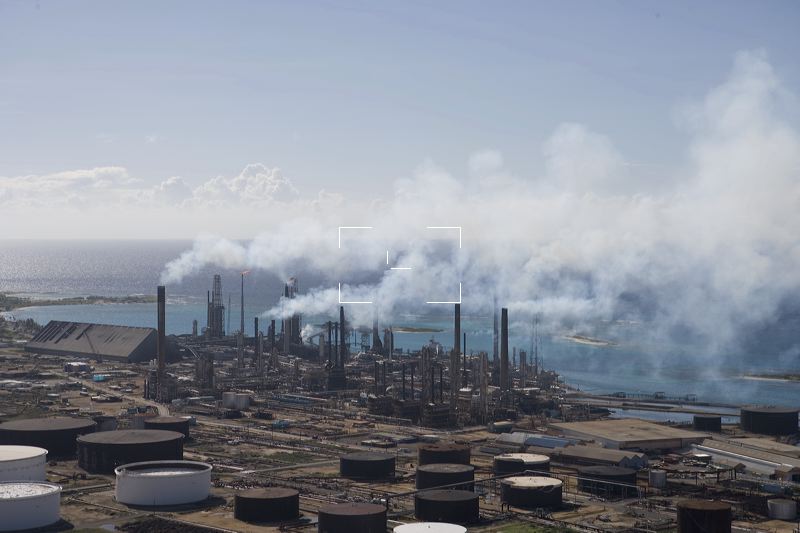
(229, 400)
(430, 527)
(156, 483)
(241, 401)
(658, 479)
(22, 463)
(781, 509)
(28, 505)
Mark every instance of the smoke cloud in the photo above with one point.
(707, 250)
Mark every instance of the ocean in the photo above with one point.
(56, 269)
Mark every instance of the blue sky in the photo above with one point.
(349, 96)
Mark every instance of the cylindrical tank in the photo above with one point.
(607, 480)
(229, 400)
(101, 453)
(456, 506)
(155, 483)
(707, 423)
(105, 422)
(704, 516)
(351, 517)
(430, 527)
(657, 479)
(443, 453)
(22, 463)
(515, 463)
(531, 492)
(28, 505)
(366, 465)
(769, 420)
(782, 509)
(168, 423)
(56, 435)
(241, 401)
(438, 474)
(273, 504)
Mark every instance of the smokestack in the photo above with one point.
(342, 348)
(255, 327)
(162, 341)
(330, 346)
(504, 381)
(457, 330)
(271, 335)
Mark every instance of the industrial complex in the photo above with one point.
(266, 428)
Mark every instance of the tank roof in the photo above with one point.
(162, 468)
(353, 509)
(15, 490)
(16, 453)
(47, 424)
(532, 482)
(268, 493)
(447, 495)
(704, 505)
(131, 436)
(770, 409)
(527, 458)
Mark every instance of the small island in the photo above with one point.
(10, 302)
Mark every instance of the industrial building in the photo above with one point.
(752, 459)
(96, 341)
(630, 434)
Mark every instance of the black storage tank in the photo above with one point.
(101, 453)
(530, 492)
(168, 423)
(447, 505)
(366, 465)
(443, 453)
(352, 518)
(56, 435)
(607, 480)
(438, 474)
(704, 516)
(769, 420)
(273, 504)
(707, 423)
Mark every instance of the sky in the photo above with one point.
(119, 104)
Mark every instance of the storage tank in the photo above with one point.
(515, 463)
(229, 400)
(22, 463)
(28, 505)
(352, 517)
(607, 480)
(438, 474)
(56, 435)
(101, 453)
(657, 479)
(105, 422)
(443, 453)
(769, 420)
(707, 423)
(241, 401)
(168, 423)
(704, 516)
(366, 465)
(156, 483)
(530, 492)
(430, 527)
(782, 509)
(447, 505)
(273, 504)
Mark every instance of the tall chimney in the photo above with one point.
(504, 382)
(162, 341)
(255, 327)
(455, 360)
(271, 335)
(342, 339)
(330, 346)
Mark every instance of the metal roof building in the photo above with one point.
(630, 434)
(77, 339)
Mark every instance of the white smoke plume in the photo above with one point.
(703, 252)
